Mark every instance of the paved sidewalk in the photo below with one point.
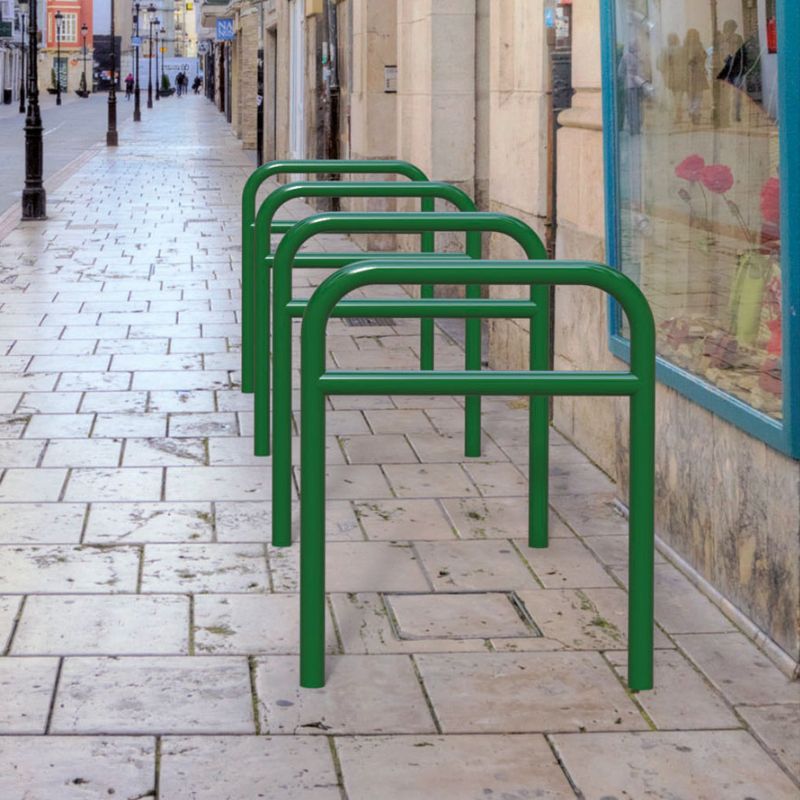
(149, 632)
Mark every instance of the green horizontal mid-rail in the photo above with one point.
(337, 167)
(638, 384)
(284, 310)
(255, 289)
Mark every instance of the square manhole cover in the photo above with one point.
(460, 615)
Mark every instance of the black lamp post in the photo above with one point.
(137, 112)
(84, 87)
(34, 198)
(151, 11)
(162, 49)
(22, 64)
(59, 17)
(112, 139)
(158, 74)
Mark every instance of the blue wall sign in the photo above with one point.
(225, 32)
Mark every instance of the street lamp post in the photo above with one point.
(158, 74)
(112, 139)
(34, 198)
(151, 10)
(162, 49)
(137, 112)
(22, 65)
(59, 17)
(84, 88)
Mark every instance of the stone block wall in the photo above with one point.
(247, 83)
(517, 138)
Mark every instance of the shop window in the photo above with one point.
(693, 106)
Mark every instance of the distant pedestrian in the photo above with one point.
(181, 82)
(197, 83)
(128, 86)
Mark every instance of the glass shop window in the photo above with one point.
(699, 219)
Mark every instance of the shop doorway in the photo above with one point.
(271, 95)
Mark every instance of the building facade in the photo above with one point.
(13, 45)
(647, 134)
(66, 52)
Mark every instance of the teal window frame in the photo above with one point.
(782, 435)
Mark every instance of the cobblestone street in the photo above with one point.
(149, 632)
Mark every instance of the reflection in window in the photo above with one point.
(699, 190)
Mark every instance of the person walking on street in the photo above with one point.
(128, 86)
(197, 83)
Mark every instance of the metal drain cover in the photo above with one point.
(365, 322)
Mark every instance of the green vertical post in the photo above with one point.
(539, 424)
(312, 509)
(282, 395)
(260, 336)
(247, 303)
(427, 339)
(473, 357)
(641, 534)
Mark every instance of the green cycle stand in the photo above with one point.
(538, 383)
(285, 308)
(306, 167)
(256, 344)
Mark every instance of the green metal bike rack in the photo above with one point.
(256, 347)
(306, 167)
(284, 309)
(317, 384)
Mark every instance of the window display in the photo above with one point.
(698, 186)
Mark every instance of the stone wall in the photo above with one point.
(247, 64)
(517, 148)
(436, 96)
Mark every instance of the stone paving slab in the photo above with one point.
(450, 767)
(56, 569)
(777, 727)
(739, 671)
(362, 694)
(203, 568)
(149, 695)
(525, 693)
(77, 767)
(26, 686)
(250, 624)
(684, 764)
(79, 625)
(247, 768)
(9, 607)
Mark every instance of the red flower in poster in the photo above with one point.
(691, 168)
(717, 178)
(771, 201)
